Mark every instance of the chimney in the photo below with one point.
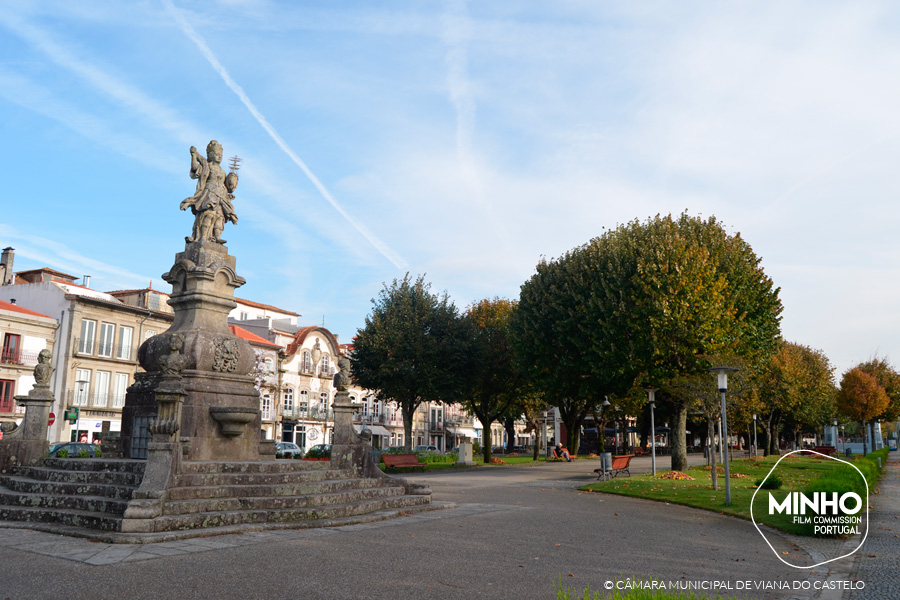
(12, 300)
(6, 266)
(86, 281)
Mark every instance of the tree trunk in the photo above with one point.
(679, 436)
(510, 426)
(865, 437)
(485, 440)
(408, 423)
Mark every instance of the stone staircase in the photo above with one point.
(90, 496)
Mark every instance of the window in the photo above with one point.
(326, 370)
(305, 363)
(7, 395)
(82, 385)
(125, 337)
(119, 387)
(86, 341)
(101, 389)
(323, 398)
(288, 400)
(12, 343)
(303, 405)
(107, 333)
(269, 364)
(266, 407)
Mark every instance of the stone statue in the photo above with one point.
(43, 370)
(316, 356)
(173, 363)
(342, 377)
(211, 203)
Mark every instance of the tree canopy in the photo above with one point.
(413, 348)
(640, 305)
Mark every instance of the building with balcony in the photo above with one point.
(94, 350)
(268, 379)
(23, 334)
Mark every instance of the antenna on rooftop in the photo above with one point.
(235, 163)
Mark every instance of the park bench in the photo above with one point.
(620, 464)
(557, 456)
(826, 450)
(402, 461)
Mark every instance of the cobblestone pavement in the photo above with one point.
(878, 562)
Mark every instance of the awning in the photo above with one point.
(463, 431)
(375, 429)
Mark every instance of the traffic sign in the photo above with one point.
(51, 420)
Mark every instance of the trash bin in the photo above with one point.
(848, 452)
(606, 464)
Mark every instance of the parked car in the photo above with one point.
(425, 449)
(74, 449)
(288, 449)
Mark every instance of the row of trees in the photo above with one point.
(648, 304)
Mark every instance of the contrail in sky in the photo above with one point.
(189, 31)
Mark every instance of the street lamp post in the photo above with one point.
(835, 423)
(651, 394)
(754, 435)
(722, 373)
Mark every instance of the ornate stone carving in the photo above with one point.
(342, 377)
(173, 363)
(211, 203)
(227, 356)
(316, 356)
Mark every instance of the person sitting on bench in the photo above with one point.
(562, 453)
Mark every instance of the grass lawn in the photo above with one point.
(799, 473)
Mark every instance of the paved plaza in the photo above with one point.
(512, 532)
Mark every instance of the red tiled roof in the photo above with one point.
(250, 336)
(266, 307)
(19, 309)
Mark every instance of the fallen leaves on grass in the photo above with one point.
(675, 475)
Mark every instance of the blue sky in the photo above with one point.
(460, 140)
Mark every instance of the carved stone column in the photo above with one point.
(27, 444)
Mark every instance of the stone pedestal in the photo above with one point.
(27, 444)
(465, 454)
(219, 416)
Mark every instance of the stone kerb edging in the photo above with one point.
(755, 524)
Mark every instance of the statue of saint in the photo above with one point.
(43, 370)
(316, 356)
(211, 203)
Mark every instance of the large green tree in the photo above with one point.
(640, 305)
(494, 380)
(413, 348)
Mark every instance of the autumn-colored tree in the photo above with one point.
(862, 398)
(796, 387)
(889, 379)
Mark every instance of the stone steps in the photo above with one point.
(213, 520)
(42, 500)
(270, 503)
(51, 474)
(63, 516)
(303, 488)
(26, 485)
(93, 495)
